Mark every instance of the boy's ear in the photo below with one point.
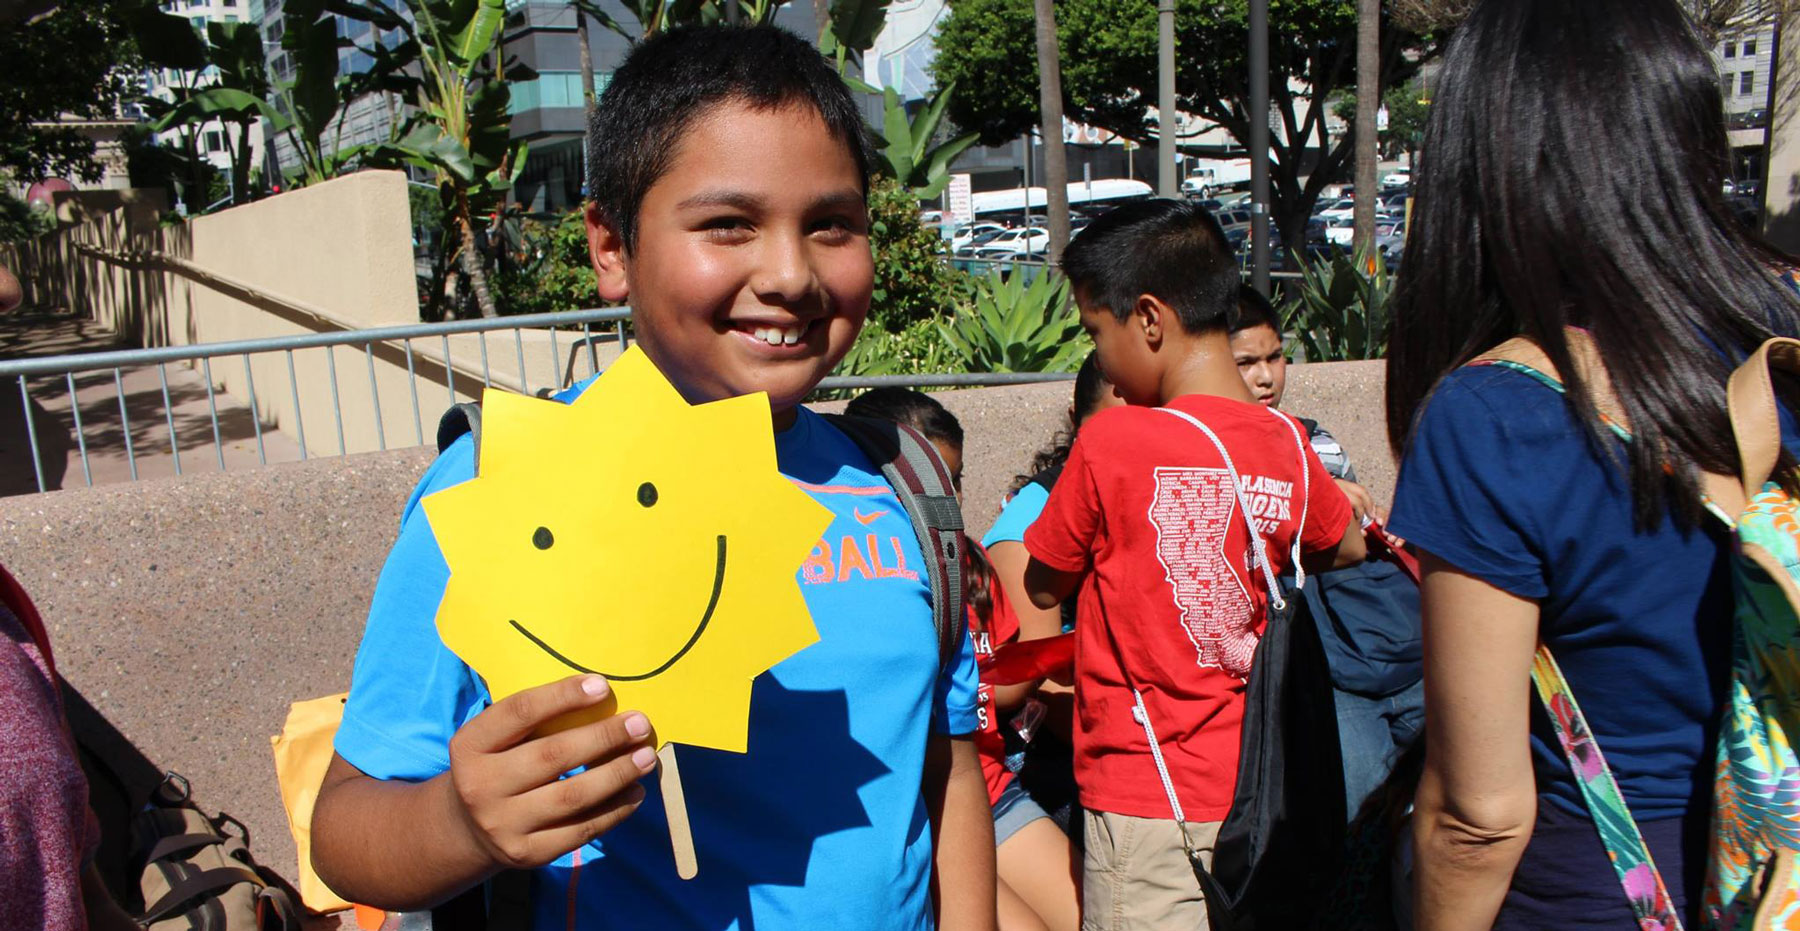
(606, 249)
(1151, 317)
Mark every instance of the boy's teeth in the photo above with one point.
(776, 336)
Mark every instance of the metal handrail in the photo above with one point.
(94, 361)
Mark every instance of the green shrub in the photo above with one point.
(544, 267)
(1011, 326)
(20, 222)
(913, 279)
(1339, 311)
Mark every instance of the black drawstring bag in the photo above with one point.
(1278, 849)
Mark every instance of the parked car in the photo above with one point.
(1232, 219)
(1396, 179)
(968, 250)
(967, 234)
(1020, 243)
(1210, 204)
(1340, 231)
(1343, 208)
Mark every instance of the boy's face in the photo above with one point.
(751, 270)
(1123, 347)
(1261, 362)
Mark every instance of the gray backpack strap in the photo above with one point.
(922, 483)
(458, 420)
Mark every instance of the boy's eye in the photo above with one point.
(836, 227)
(728, 229)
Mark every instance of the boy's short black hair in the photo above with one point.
(672, 79)
(915, 409)
(1254, 310)
(1172, 249)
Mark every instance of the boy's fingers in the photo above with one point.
(597, 822)
(545, 758)
(577, 798)
(512, 719)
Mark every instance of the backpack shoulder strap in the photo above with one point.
(922, 483)
(460, 419)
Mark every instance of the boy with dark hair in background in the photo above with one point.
(1183, 515)
(729, 174)
(1367, 615)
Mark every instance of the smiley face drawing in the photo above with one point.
(631, 535)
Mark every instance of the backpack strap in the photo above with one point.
(922, 483)
(460, 419)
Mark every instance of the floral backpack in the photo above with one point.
(1753, 877)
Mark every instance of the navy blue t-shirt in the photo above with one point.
(1502, 482)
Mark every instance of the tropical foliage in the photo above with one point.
(1013, 326)
(1339, 310)
(460, 131)
(905, 144)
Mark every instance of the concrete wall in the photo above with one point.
(330, 257)
(187, 614)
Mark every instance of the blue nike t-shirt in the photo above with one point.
(820, 824)
(1019, 513)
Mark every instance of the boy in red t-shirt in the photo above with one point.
(1158, 505)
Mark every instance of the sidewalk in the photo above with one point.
(30, 332)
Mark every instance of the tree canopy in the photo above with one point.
(1108, 50)
(73, 61)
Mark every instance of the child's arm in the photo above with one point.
(1009, 560)
(962, 828)
(1351, 549)
(410, 845)
(1047, 586)
(1477, 798)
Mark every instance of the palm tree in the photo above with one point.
(1056, 160)
(1368, 101)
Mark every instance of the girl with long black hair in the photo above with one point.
(1570, 193)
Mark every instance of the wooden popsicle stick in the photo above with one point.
(681, 837)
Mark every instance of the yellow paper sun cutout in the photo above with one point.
(631, 535)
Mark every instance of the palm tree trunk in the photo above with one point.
(1056, 159)
(469, 260)
(1368, 101)
(587, 78)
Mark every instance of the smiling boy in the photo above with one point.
(729, 170)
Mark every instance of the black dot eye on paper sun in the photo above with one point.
(542, 539)
(646, 494)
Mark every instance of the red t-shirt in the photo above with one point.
(990, 746)
(1145, 504)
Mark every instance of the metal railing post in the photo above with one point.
(162, 375)
(124, 423)
(412, 382)
(212, 408)
(375, 396)
(80, 436)
(299, 416)
(37, 461)
(255, 412)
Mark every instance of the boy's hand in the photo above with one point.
(508, 793)
(1361, 501)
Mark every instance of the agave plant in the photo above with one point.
(1015, 326)
(1340, 310)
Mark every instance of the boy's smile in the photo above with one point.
(751, 270)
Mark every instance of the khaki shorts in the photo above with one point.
(1135, 875)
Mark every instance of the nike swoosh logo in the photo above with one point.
(866, 519)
